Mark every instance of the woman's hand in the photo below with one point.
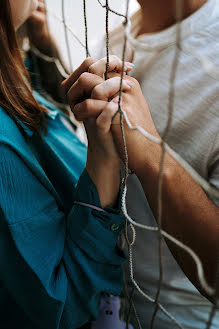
(85, 90)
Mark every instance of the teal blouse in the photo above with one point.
(56, 257)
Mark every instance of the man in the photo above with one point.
(188, 214)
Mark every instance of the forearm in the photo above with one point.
(187, 213)
(106, 177)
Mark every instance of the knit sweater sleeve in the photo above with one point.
(53, 265)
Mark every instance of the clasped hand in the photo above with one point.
(95, 101)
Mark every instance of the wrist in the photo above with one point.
(106, 177)
(148, 163)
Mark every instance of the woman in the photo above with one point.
(58, 247)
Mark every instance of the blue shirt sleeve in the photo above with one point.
(55, 266)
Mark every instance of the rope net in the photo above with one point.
(210, 190)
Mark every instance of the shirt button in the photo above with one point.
(114, 227)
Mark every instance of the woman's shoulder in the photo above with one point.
(11, 135)
(8, 128)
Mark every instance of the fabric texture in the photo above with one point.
(193, 134)
(56, 258)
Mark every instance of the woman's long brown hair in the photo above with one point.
(16, 96)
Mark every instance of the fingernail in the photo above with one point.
(128, 83)
(128, 64)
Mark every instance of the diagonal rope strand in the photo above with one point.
(209, 290)
(60, 19)
(147, 296)
(66, 36)
(111, 10)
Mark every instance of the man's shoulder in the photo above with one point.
(206, 38)
(203, 48)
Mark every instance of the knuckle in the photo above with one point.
(92, 69)
(77, 116)
(101, 122)
(78, 113)
(134, 81)
(87, 105)
(75, 111)
(88, 62)
(112, 110)
(69, 97)
(96, 92)
(113, 75)
(83, 78)
(116, 80)
(114, 58)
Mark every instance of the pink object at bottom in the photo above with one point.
(109, 314)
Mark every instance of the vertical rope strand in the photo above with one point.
(85, 27)
(159, 220)
(211, 316)
(126, 174)
(127, 295)
(179, 15)
(120, 96)
(107, 39)
(66, 36)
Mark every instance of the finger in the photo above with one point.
(82, 88)
(105, 118)
(114, 74)
(90, 108)
(76, 74)
(109, 88)
(115, 64)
